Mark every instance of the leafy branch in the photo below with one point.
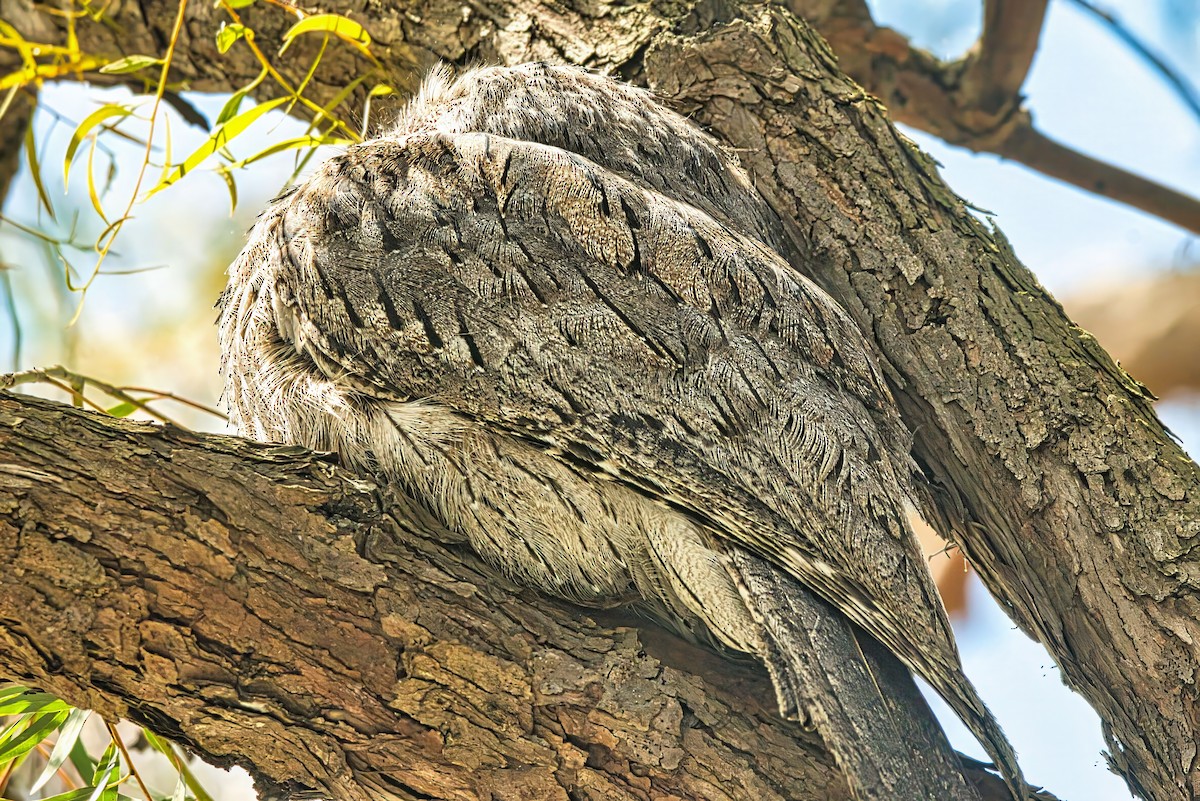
(41, 61)
(131, 399)
(25, 745)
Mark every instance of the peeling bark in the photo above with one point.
(1046, 461)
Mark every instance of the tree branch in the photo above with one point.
(13, 125)
(994, 74)
(1025, 144)
(265, 607)
(975, 103)
(1046, 460)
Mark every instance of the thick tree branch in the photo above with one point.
(1066, 493)
(1047, 461)
(974, 103)
(265, 607)
(13, 126)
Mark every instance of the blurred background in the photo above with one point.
(1128, 277)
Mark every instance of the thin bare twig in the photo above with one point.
(956, 102)
(116, 738)
(1036, 150)
(1187, 93)
(104, 245)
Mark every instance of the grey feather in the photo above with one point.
(553, 312)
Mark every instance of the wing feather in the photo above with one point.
(632, 336)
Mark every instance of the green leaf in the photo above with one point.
(10, 692)
(98, 116)
(230, 109)
(230, 34)
(83, 762)
(110, 761)
(80, 794)
(26, 702)
(167, 151)
(124, 66)
(221, 136)
(120, 410)
(163, 747)
(334, 24)
(35, 171)
(239, 3)
(20, 744)
(14, 728)
(68, 735)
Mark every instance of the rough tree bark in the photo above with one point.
(1046, 461)
(268, 608)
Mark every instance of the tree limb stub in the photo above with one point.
(268, 608)
(996, 70)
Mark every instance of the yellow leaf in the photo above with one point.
(124, 66)
(35, 171)
(292, 144)
(335, 24)
(230, 34)
(41, 72)
(220, 137)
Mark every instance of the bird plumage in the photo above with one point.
(555, 314)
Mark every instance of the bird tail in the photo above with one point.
(960, 694)
(861, 699)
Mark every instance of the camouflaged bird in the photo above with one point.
(555, 314)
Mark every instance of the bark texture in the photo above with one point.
(265, 607)
(1046, 461)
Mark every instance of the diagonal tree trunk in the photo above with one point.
(1046, 461)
